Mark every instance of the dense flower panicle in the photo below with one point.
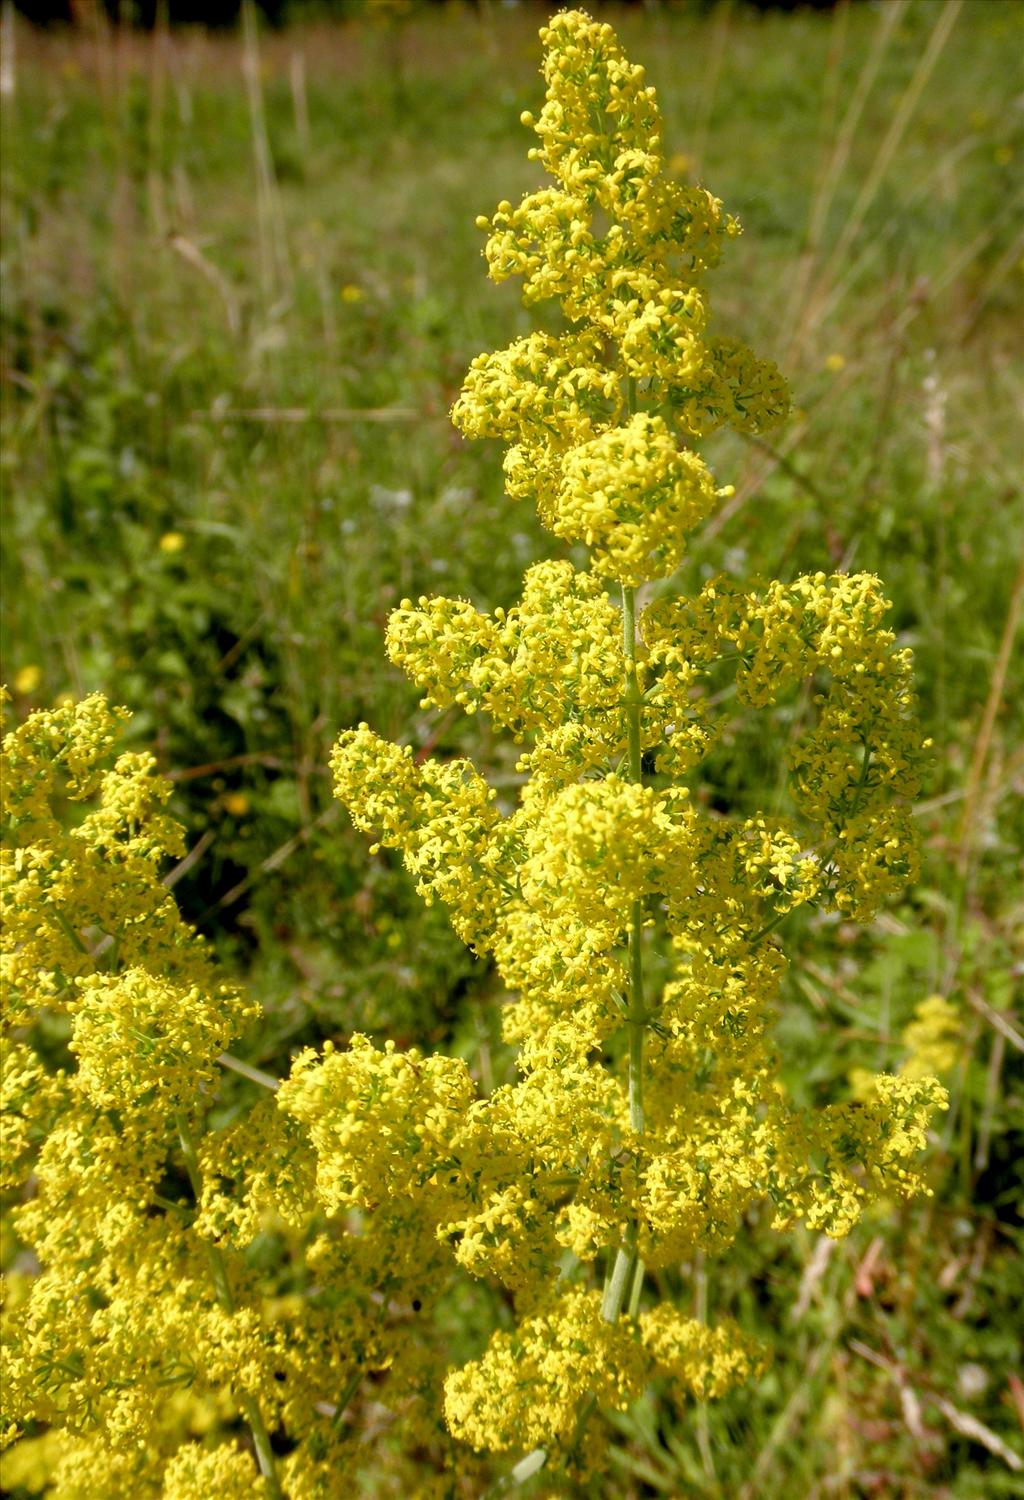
(775, 867)
(564, 976)
(600, 140)
(94, 942)
(441, 816)
(124, 1340)
(380, 1123)
(553, 659)
(71, 742)
(142, 1042)
(540, 389)
(856, 769)
(739, 390)
(60, 886)
(405, 1141)
(30, 1100)
(695, 1358)
(257, 1174)
(632, 495)
(527, 1387)
(225, 1471)
(593, 417)
(593, 849)
(648, 1117)
(932, 1039)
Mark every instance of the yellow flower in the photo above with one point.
(27, 679)
(932, 1039)
(235, 803)
(834, 363)
(172, 541)
(352, 293)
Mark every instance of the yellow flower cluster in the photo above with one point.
(932, 1039)
(540, 389)
(609, 236)
(695, 1358)
(379, 1123)
(594, 848)
(632, 496)
(96, 952)
(144, 1042)
(258, 1174)
(144, 1341)
(527, 1388)
(859, 765)
(434, 1172)
(552, 660)
(593, 416)
(224, 1471)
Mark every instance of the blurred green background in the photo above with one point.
(240, 286)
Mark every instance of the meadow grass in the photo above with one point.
(241, 285)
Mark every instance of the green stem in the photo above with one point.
(762, 932)
(632, 400)
(636, 1016)
(222, 1287)
(246, 1070)
(633, 1305)
(67, 929)
(623, 1289)
(703, 1426)
(355, 1381)
(621, 1279)
(626, 1279)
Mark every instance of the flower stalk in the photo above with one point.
(222, 1288)
(561, 889)
(626, 1280)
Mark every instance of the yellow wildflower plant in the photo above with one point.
(647, 1118)
(650, 1118)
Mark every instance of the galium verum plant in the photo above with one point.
(566, 1186)
(147, 1338)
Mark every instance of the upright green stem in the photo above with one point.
(636, 1016)
(222, 1287)
(627, 1273)
(622, 1290)
(703, 1427)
